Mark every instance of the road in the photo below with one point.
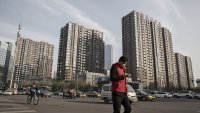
(17, 104)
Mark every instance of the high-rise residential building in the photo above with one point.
(108, 56)
(5, 62)
(80, 49)
(137, 47)
(158, 55)
(189, 71)
(198, 83)
(181, 71)
(170, 64)
(149, 49)
(32, 59)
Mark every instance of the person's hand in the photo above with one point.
(127, 75)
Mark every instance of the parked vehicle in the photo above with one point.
(163, 95)
(45, 93)
(58, 93)
(92, 94)
(186, 94)
(21, 91)
(106, 94)
(7, 92)
(197, 96)
(68, 94)
(142, 95)
(1, 91)
(81, 94)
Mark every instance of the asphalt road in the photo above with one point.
(55, 104)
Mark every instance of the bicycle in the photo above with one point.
(34, 99)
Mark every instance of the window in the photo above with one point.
(106, 88)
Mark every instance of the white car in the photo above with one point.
(197, 96)
(106, 94)
(7, 92)
(163, 95)
(1, 92)
(186, 94)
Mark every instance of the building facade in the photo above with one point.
(170, 64)
(189, 71)
(32, 59)
(80, 49)
(181, 71)
(149, 49)
(198, 83)
(5, 62)
(108, 56)
(92, 78)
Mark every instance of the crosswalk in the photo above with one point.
(8, 106)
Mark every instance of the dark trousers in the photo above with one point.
(121, 99)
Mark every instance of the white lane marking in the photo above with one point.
(28, 111)
(13, 108)
(8, 104)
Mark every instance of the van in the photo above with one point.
(106, 93)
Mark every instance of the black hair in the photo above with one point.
(123, 59)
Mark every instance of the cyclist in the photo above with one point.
(33, 90)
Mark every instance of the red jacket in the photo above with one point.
(119, 83)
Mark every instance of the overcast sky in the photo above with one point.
(42, 19)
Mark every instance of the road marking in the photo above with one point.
(28, 111)
(13, 108)
(8, 104)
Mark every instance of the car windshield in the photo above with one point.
(130, 89)
(143, 92)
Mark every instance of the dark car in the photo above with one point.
(141, 95)
(92, 94)
(67, 94)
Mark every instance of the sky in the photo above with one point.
(41, 20)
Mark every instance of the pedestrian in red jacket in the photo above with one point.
(119, 86)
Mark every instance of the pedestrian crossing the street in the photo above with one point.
(8, 106)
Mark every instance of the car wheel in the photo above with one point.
(106, 100)
(187, 96)
(131, 102)
(175, 96)
(165, 96)
(144, 98)
(195, 97)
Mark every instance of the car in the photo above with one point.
(7, 92)
(81, 94)
(106, 94)
(197, 96)
(66, 95)
(46, 93)
(58, 93)
(1, 91)
(92, 94)
(23, 92)
(142, 95)
(185, 93)
(163, 95)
